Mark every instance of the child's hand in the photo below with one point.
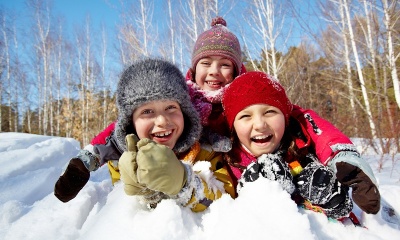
(72, 181)
(365, 194)
(271, 167)
(318, 184)
(128, 168)
(158, 168)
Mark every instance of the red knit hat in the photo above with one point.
(218, 41)
(254, 88)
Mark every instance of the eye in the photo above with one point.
(171, 107)
(146, 111)
(270, 112)
(205, 62)
(244, 116)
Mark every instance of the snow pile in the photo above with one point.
(31, 164)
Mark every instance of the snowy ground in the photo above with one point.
(31, 164)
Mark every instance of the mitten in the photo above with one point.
(128, 169)
(272, 167)
(318, 184)
(72, 181)
(158, 168)
(340, 205)
(365, 193)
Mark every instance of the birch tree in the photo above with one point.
(263, 22)
(373, 35)
(42, 19)
(345, 34)
(59, 56)
(1, 72)
(367, 107)
(171, 28)
(86, 76)
(390, 19)
(17, 79)
(136, 30)
(68, 115)
(7, 60)
(103, 73)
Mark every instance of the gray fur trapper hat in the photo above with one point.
(154, 79)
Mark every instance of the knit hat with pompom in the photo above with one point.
(149, 80)
(254, 88)
(218, 41)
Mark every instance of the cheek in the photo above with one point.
(279, 125)
(142, 128)
(241, 131)
(228, 77)
(199, 76)
(180, 121)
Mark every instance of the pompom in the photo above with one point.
(218, 20)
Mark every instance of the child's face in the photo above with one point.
(260, 128)
(161, 121)
(214, 72)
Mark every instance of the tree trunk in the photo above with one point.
(359, 71)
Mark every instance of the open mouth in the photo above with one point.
(262, 138)
(162, 134)
(214, 84)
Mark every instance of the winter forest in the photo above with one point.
(338, 57)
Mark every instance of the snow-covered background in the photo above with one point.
(31, 164)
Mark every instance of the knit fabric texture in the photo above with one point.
(149, 80)
(218, 41)
(254, 88)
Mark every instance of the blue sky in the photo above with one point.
(108, 12)
(75, 11)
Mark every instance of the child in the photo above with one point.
(154, 105)
(216, 61)
(270, 139)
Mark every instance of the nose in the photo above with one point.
(214, 69)
(259, 123)
(161, 120)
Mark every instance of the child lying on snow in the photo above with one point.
(269, 139)
(154, 106)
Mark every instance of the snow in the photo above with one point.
(31, 164)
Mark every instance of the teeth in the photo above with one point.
(213, 83)
(261, 137)
(163, 134)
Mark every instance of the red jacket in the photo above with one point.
(323, 136)
(101, 137)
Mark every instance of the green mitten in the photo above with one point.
(127, 167)
(158, 168)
